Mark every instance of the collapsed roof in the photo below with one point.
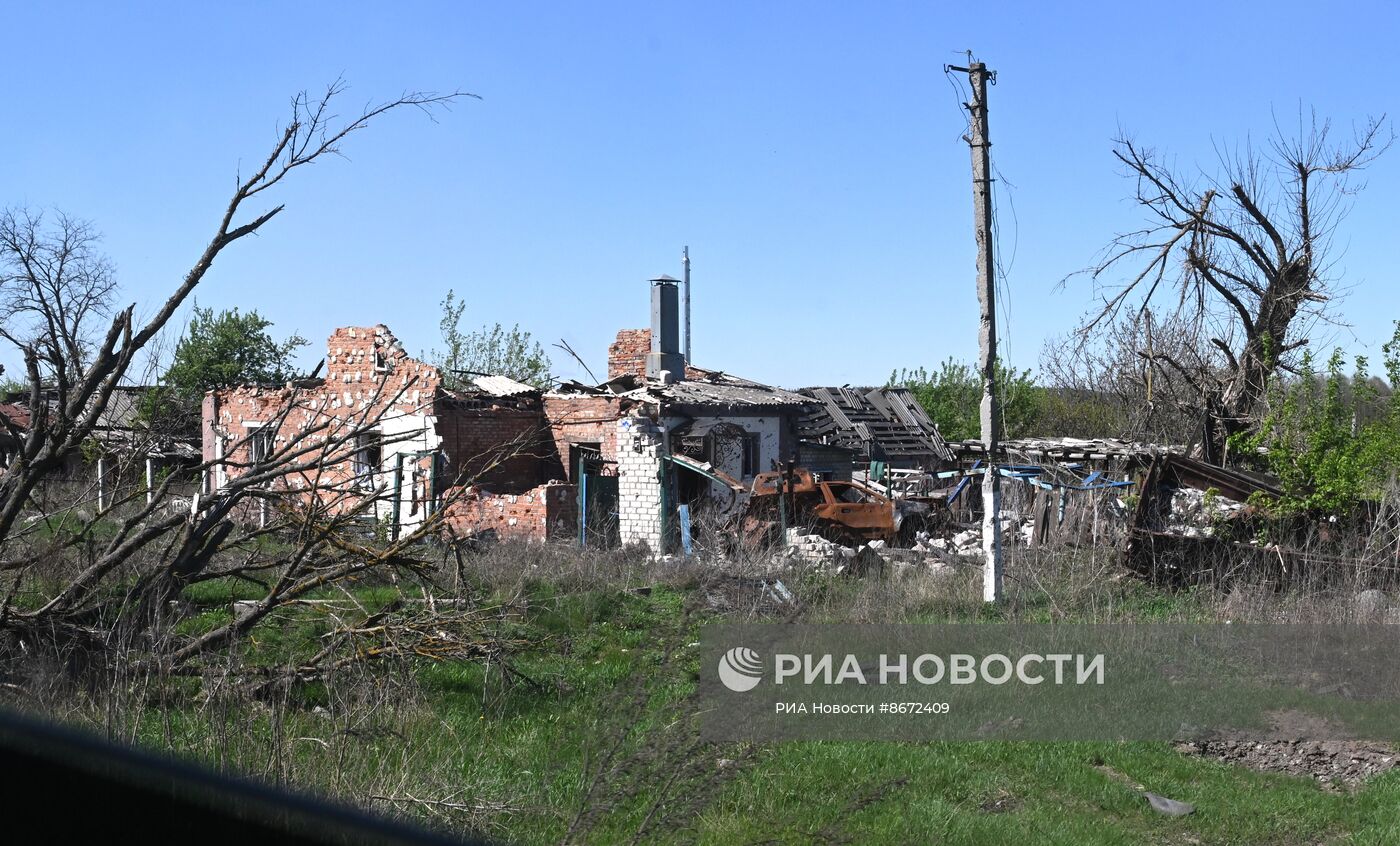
(701, 390)
(884, 423)
(120, 426)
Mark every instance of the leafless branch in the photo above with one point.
(1246, 248)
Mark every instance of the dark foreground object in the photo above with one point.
(60, 786)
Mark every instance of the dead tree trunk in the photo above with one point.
(1244, 254)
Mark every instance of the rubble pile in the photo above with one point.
(815, 549)
(1334, 764)
(1195, 514)
(1015, 530)
(966, 542)
(821, 553)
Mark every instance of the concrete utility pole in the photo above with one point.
(685, 262)
(978, 140)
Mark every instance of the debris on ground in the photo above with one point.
(1370, 606)
(1334, 764)
(730, 594)
(877, 555)
(1170, 807)
(1196, 515)
(815, 549)
(1001, 802)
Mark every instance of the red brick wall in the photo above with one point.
(504, 449)
(353, 394)
(582, 420)
(497, 448)
(548, 512)
(350, 361)
(628, 354)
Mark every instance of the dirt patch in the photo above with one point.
(1000, 802)
(1335, 764)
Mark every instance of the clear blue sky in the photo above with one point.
(808, 153)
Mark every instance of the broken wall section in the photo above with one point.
(507, 450)
(578, 420)
(627, 355)
(548, 512)
(371, 384)
(640, 445)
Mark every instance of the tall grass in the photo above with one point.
(588, 734)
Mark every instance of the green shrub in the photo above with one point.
(1333, 440)
(952, 396)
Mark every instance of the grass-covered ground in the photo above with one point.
(590, 738)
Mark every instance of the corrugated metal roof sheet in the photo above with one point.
(123, 409)
(729, 393)
(502, 386)
(702, 388)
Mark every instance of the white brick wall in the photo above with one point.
(639, 447)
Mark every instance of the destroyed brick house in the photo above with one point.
(657, 445)
(667, 434)
(380, 426)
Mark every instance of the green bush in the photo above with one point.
(1332, 439)
(952, 396)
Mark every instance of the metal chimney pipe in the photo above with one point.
(665, 356)
(685, 263)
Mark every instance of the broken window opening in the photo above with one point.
(751, 452)
(418, 484)
(260, 444)
(847, 492)
(381, 361)
(585, 458)
(369, 453)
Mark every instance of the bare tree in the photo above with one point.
(60, 288)
(56, 292)
(1245, 256)
(1115, 383)
(54, 285)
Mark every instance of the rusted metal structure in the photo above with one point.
(841, 510)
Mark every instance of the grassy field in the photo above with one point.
(591, 739)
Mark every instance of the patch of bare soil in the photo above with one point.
(1001, 802)
(1335, 764)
